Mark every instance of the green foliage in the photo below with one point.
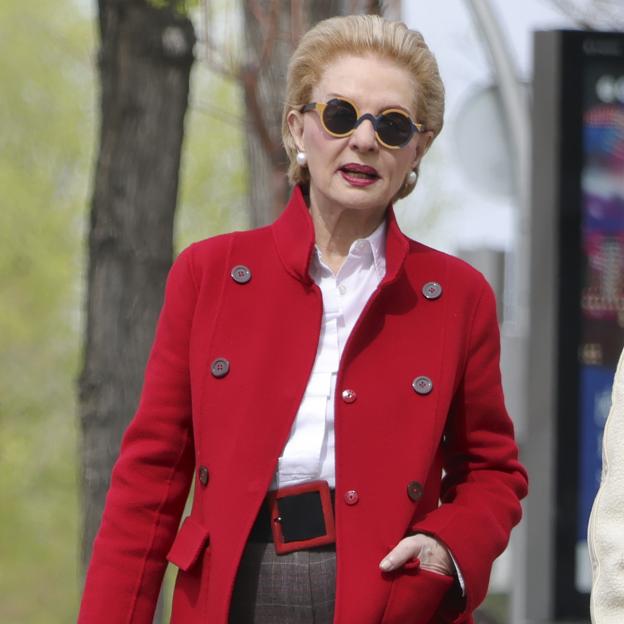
(47, 128)
(48, 111)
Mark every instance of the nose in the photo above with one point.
(363, 137)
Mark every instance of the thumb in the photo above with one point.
(403, 552)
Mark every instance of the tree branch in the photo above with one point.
(595, 15)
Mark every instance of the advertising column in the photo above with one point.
(602, 281)
(576, 309)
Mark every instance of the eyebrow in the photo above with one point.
(381, 108)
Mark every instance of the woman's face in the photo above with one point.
(373, 84)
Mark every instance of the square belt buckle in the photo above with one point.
(301, 517)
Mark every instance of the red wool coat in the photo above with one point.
(230, 431)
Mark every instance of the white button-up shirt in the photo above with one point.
(309, 452)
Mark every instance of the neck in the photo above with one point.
(336, 227)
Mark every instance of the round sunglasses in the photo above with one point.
(340, 117)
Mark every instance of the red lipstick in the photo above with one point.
(360, 175)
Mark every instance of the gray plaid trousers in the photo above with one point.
(296, 588)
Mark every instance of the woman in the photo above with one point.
(606, 524)
(317, 376)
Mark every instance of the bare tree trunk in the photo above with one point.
(268, 43)
(144, 62)
(318, 11)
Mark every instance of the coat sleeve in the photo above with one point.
(606, 523)
(483, 482)
(152, 475)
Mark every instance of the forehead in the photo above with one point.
(370, 81)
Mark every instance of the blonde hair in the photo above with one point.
(361, 35)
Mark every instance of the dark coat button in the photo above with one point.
(415, 490)
(351, 497)
(348, 395)
(432, 290)
(203, 475)
(220, 367)
(240, 274)
(422, 385)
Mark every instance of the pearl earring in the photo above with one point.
(412, 176)
(302, 159)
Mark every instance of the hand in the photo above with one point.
(432, 554)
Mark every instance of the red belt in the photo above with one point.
(296, 517)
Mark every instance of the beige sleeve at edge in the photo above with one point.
(606, 522)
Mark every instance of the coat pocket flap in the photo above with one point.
(416, 596)
(188, 544)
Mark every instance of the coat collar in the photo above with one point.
(294, 238)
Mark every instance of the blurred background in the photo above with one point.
(129, 130)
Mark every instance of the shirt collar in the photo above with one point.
(377, 244)
(293, 233)
(366, 251)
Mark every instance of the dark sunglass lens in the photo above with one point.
(339, 116)
(394, 129)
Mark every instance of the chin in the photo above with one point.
(356, 201)
(340, 194)
(364, 198)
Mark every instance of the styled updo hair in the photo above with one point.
(361, 35)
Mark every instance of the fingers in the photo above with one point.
(405, 550)
(432, 554)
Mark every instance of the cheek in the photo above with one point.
(312, 132)
(402, 164)
(319, 148)
(313, 143)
